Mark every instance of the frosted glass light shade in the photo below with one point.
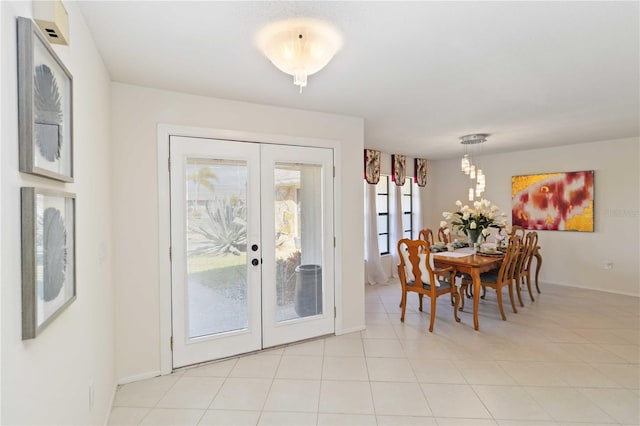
(467, 166)
(299, 47)
(464, 164)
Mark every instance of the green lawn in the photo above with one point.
(227, 275)
(202, 263)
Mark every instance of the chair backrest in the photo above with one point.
(530, 247)
(517, 230)
(444, 236)
(426, 235)
(416, 263)
(510, 261)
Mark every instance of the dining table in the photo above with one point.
(468, 261)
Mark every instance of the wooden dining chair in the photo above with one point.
(418, 275)
(517, 230)
(523, 269)
(426, 235)
(504, 277)
(443, 236)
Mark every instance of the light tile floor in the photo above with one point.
(570, 358)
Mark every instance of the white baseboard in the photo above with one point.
(350, 330)
(138, 377)
(587, 288)
(110, 406)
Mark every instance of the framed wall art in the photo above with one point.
(48, 257)
(553, 201)
(45, 107)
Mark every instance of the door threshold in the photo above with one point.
(261, 351)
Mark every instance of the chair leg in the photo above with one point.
(433, 313)
(484, 292)
(457, 298)
(528, 277)
(513, 304)
(499, 293)
(518, 290)
(538, 266)
(420, 298)
(403, 305)
(461, 296)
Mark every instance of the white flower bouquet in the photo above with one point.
(475, 221)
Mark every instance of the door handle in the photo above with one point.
(255, 262)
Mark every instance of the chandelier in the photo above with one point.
(299, 47)
(472, 151)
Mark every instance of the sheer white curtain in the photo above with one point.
(417, 211)
(395, 223)
(375, 271)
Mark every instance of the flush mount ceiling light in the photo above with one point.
(299, 47)
(473, 148)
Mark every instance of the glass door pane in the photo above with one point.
(216, 231)
(298, 240)
(215, 253)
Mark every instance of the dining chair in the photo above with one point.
(523, 271)
(504, 277)
(444, 236)
(517, 230)
(426, 235)
(417, 274)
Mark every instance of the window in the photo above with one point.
(407, 208)
(382, 207)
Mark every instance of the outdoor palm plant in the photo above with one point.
(223, 227)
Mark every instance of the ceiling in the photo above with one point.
(421, 74)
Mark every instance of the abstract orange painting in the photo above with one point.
(553, 201)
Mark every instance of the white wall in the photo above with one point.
(569, 258)
(1, 203)
(46, 380)
(136, 113)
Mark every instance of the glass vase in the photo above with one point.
(475, 237)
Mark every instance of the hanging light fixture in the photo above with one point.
(299, 47)
(472, 147)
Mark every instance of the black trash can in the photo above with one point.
(308, 290)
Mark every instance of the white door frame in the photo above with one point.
(164, 216)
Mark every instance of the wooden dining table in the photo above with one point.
(472, 264)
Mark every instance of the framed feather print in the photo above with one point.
(45, 107)
(48, 257)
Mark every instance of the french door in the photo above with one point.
(252, 246)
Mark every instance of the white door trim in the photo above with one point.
(164, 216)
